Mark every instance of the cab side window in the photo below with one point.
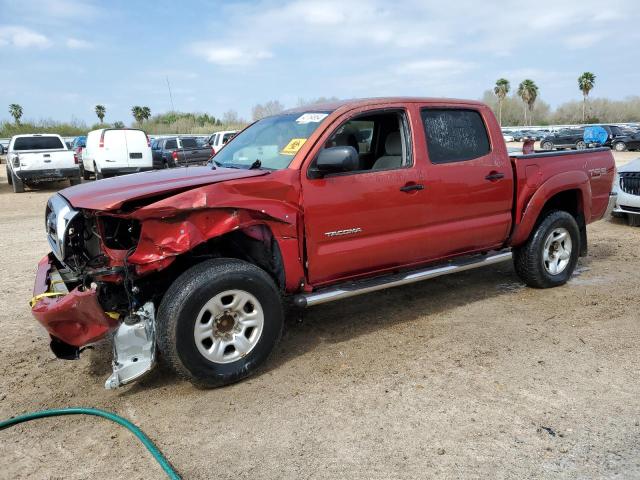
(454, 135)
(381, 140)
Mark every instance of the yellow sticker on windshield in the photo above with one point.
(293, 146)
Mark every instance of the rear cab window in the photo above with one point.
(171, 144)
(455, 135)
(189, 143)
(37, 143)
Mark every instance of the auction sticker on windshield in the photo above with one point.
(293, 146)
(311, 118)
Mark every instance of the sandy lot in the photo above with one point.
(467, 376)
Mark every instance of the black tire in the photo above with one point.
(183, 301)
(619, 146)
(547, 146)
(581, 145)
(18, 185)
(85, 175)
(75, 181)
(9, 179)
(97, 173)
(528, 259)
(633, 220)
(165, 164)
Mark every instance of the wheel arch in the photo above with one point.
(568, 191)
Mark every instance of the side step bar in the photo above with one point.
(351, 289)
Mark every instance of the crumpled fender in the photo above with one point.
(179, 223)
(571, 180)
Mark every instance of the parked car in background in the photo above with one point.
(627, 186)
(613, 133)
(116, 151)
(77, 146)
(179, 151)
(219, 139)
(627, 141)
(39, 158)
(507, 137)
(564, 138)
(302, 209)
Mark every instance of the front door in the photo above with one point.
(371, 219)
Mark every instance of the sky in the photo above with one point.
(59, 58)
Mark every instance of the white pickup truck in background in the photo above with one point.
(39, 158)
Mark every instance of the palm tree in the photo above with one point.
(16, 112)
(136, 111)
(146, 113)
(100, 112)
(586, 82)
(528, 92)
(501, 89)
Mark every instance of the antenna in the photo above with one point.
(173, 109)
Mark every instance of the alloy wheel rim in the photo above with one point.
(229, 326)
(557, 251)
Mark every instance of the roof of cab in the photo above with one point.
(364, 102)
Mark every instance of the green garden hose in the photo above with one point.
(146, 441)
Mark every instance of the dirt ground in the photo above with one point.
(467, 376)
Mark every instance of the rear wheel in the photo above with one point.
(18, 185)
(547, 146)
(619, 146)
(75, 181)
(219, 321)
(9, 181)
(581, 145)
(85, 175)
(97, 173)
(551, 253)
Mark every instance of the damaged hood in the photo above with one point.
(112, 193)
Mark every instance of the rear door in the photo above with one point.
(468, 180)
(138, 149)
(115, 153)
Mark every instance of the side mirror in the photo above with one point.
(336, 160)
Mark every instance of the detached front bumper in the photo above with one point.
(74, 318)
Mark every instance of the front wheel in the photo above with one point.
(581, 145)
(219, 321)
(551, 253)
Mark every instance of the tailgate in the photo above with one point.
(46, 160)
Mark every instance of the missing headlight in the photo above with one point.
(120, 233)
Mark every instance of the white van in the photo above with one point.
(116, 151)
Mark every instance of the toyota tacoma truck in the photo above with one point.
(196, 267)
(39, 158)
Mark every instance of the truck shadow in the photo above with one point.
(346, 319)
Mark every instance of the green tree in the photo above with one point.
(118, 124)
(100, 112)
(586, 82)
(137, 113)
(500, 90)
(528, 92)
(146, 113)
(16, 112)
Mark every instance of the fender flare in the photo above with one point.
(562, 182)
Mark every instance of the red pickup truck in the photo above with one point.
(198, 265)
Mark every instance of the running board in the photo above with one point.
(351, 289)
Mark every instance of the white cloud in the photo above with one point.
(78, 44)
(22, 37)
(584, 40)
(228, 55)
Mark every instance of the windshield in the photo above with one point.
(273, 140)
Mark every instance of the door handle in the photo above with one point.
(412, 187)
(494, 176)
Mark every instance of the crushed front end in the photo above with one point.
(84, 293)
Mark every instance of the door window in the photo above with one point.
(455, 135)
